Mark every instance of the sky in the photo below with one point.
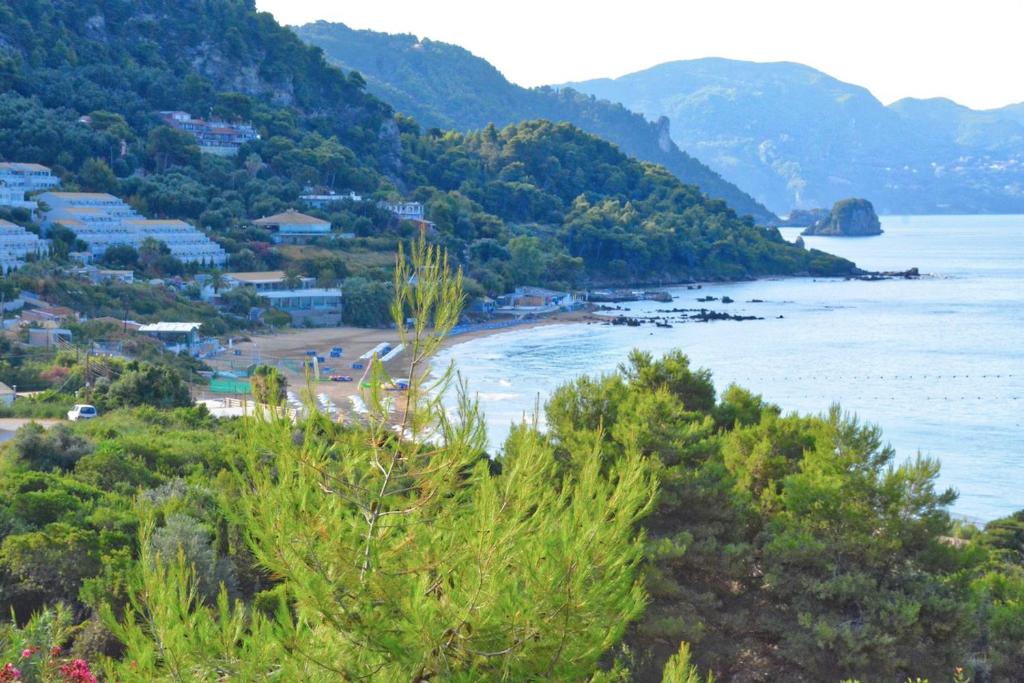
(970, 51)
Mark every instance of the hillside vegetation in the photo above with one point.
(155, 543)
(446, 86)
(596, 215)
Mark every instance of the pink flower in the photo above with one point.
(26, 653)
(9, 673)
(77, 672)
(55, 651)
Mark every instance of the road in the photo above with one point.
(9, 425)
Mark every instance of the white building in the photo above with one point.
(6, 395)
(176, 337)
(304, 302)
(406, 211)
(102, 220)
(320, 201)
(17, 179)
(16, 243)
(214, 137)
(291, 227)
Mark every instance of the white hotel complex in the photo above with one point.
(15, 244)
(102, 220)
(17, 179)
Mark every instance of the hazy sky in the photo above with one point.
(971, 51)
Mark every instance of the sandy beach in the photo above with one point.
(292, 345)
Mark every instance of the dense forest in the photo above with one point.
(600, 216)
(657, 530)
(445, 86)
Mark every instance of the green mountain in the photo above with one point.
(795, 137)
(536, 203)
(446, 86)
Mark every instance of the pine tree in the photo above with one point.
(398, 552)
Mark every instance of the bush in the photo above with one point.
(43, 449)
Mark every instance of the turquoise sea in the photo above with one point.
(937, 362)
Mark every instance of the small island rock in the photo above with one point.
(849, 218)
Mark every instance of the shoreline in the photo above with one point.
(288, 348)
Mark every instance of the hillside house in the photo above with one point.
(292, 227)
(49, 337)
(214, 136)
(405, 211)
(322, 201)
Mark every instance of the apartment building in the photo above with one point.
(18, 179)
(102, 220)
(16, 244)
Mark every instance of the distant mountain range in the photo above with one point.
(447, 87)
(794, 137)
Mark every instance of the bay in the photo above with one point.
(937, 362)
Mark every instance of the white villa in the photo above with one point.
(292, 227)
(320, 201)
(405, 211)
(305, 302)
(18, 179)
(102, 220)
(15, 244)
(214, 137)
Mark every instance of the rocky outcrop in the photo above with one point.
(849, 218)
(805, 218)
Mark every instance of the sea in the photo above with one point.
(936, 362)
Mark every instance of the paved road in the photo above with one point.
(9, 425)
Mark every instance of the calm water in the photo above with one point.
(938, 362)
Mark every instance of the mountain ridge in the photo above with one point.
(796, 137)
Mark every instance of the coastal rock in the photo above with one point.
(853, 217)
(805, 218)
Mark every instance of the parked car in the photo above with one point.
(341, 378)
(336, 352)
(82, 411)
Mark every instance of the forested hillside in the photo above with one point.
(445, 86)
(117, 64)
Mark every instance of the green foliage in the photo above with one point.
(445, 86)
(45, 449)
(408, 558)
(678, 668)
(565, 209)
(143, 384)
(140, 302)
(605, 216)
(367, 303)
(269, 387)
(796, 541)
(70, 535)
